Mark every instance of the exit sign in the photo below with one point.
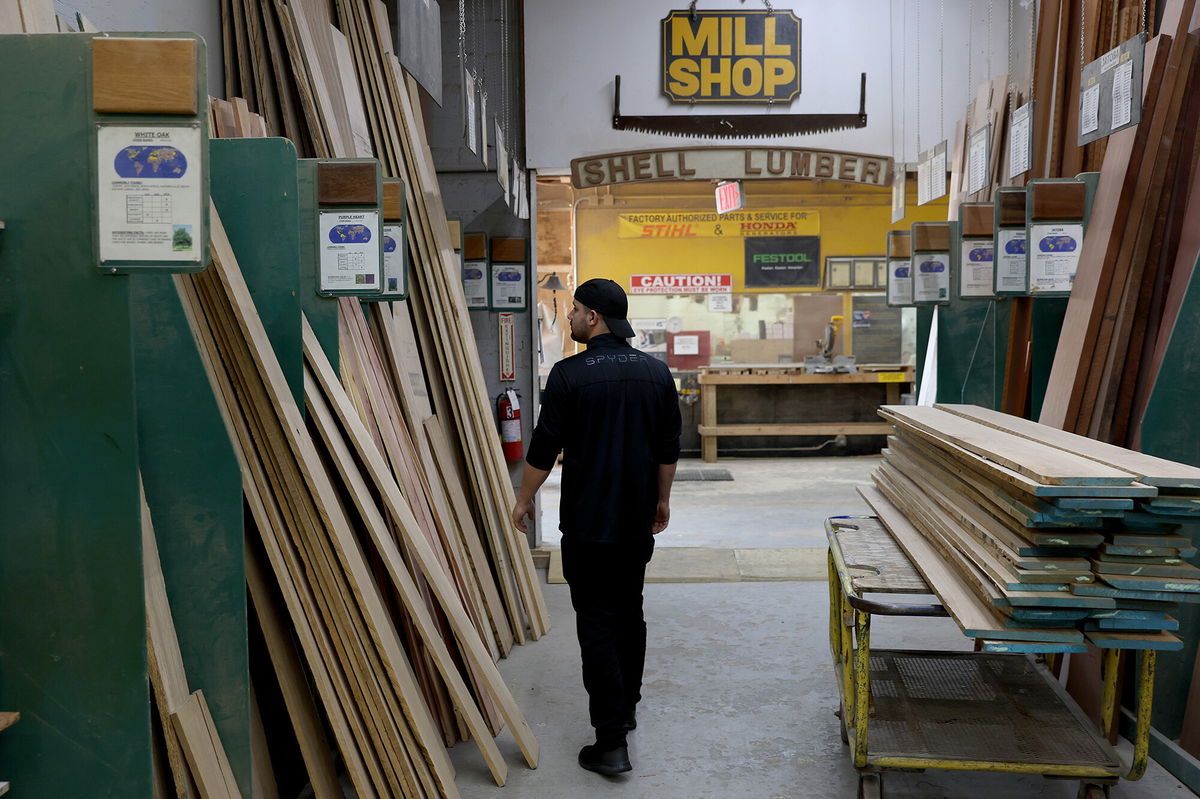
(729, 196)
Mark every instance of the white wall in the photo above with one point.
(573, 48)
(199, 16)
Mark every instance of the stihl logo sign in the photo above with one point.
(680, 284)
(731, 56)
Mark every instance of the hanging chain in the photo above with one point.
(462, 33)
(942, 68)
(970, 53)
(1008, 61)
(1033, 34)
(1144, 16)
(1082, 28)
(692, 8)
(989, 38)
(918, 78)
(904, 85)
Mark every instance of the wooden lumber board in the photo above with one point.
(478, 431)
(356, 113)
(1146, 468)
(1097, 261)
(372, 713)
(262, 772)
(10, 17)
(323, 604)
(1042, 85)
(241, 41)
(318, 137)
(1001, 583)
(1109, 358)
(963, 503)
(168, 678)
(381, 645)
(330, 681)
(986, 469)
(395, 503)
(313, 26)
(285, 83)
(38, 16)
(206, 757)
(1163, 641)
(395, 439)
(404, 582)
(1037, 461)
(265, 93)
(293, 684)
(964, 606)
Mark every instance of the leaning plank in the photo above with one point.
(381, 633)
(384, 481)
(1146, 468)
(1037, 461)
(168, 679)
(193, 724)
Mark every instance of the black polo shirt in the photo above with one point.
(614, 414)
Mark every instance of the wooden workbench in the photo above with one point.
(896, 379)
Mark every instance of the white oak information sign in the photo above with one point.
(931, 279)
(475, 284)
(150, 193)
(1053, 257)
(1012, 272)
(900, 282)
(395, 276)
(975, 270)
(350, 251)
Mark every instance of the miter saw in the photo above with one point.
(824, 362)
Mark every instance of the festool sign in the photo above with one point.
(731, 56)
(783, 262)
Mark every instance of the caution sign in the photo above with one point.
(731, 56)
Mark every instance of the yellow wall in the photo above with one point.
(853, 219)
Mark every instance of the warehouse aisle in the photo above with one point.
(739, 703)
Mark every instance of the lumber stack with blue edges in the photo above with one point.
(1040, 536)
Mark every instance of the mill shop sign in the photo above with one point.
(730, 163)
(731, 56)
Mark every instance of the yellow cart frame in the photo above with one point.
(850, 644)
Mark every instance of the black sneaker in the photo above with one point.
(607, 762)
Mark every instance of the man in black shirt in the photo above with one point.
(613, 412)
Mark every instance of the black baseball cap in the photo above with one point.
(607, 298)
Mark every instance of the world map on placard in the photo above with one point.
(1057, 244)
(1015, 247)
(902, 271)
(471, 273)
(389, 244)
(932, 267)
(350, 234)
(980, 254)
(150, 162)
(508, 276)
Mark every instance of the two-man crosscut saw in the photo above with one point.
(728, 126)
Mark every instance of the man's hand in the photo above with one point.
(522, 509)
(662, 517)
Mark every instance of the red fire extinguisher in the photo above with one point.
(508, 408)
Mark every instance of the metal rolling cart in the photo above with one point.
(999, 709)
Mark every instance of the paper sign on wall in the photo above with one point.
(900, 282)
(475, 284)
(1012, 273)
(720, 303)
(350, 251)
(395, 276)
(687, 345)
(975, 271)
(1020, 153)
(508, 348)
(931, 277)
(1053, 257)
(508, 287)
(150, 193)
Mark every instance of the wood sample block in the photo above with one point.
(1058, 200)
(144, 76)
(1012, 206)
(899, 244)
(347, 182)
(455, 233)
(931, 236)
(510, 251)
(475, 246)
(393, 200)
(977, 219)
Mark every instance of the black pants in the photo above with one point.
(606, 592)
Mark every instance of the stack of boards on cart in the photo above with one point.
(1036, 539)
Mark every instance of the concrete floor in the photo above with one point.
(739, 690)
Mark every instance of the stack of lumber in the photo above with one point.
(1031, 535)
(355, 550)
(1136, 262)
